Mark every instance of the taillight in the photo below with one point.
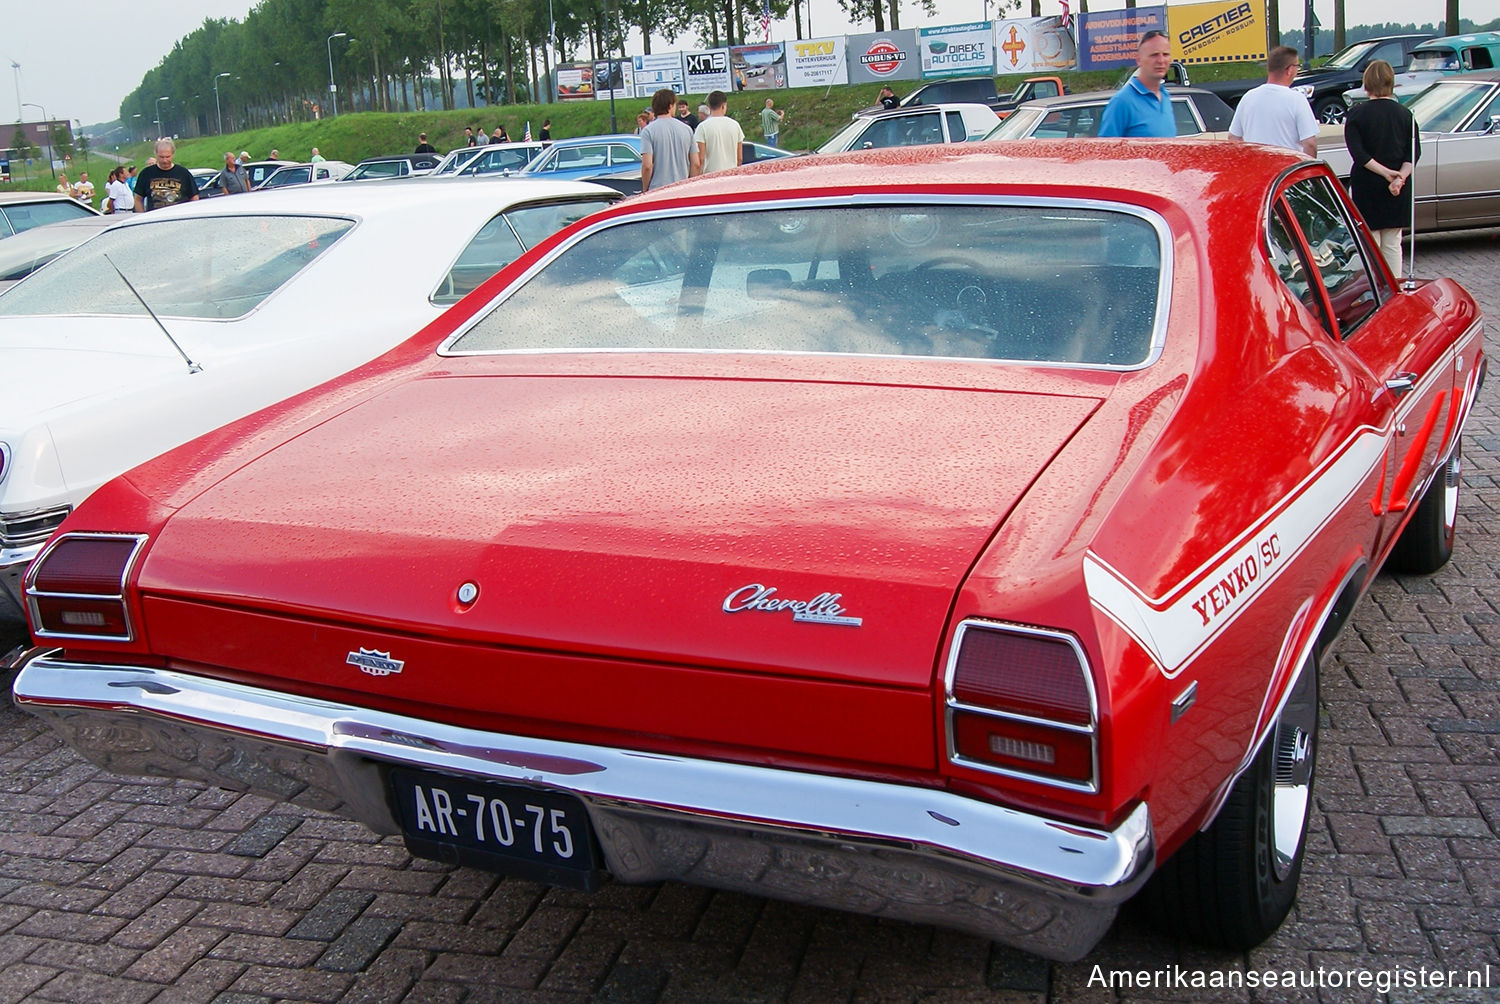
(1020, 702)
(76, 587)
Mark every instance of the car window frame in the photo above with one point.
(1376, 276)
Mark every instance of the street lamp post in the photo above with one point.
(164, 97)
(333, 88)
(17, 67)
(217, 113)
(47, 119)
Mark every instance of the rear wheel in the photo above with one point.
(1426, 542)
(1331, 111)
(1233, 884)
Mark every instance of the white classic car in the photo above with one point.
(250, 301)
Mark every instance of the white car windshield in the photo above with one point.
(1055, 284)
(220, 267)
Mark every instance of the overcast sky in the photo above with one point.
(79, 59)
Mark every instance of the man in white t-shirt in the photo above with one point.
(1275, 114)
(720, 138)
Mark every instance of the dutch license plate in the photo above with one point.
(537, 834)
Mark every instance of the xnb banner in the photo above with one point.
(890, 55)
(1026, 45)
(653, 72)
(1224, 32)
(816, 62)
(957, 50)
(1109, 38)
(707, 71)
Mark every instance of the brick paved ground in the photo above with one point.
(130, 890)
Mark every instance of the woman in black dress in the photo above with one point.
(1384, 143)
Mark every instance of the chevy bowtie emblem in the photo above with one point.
(375, 663)
(821, 609)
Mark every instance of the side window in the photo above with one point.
(1286, 258)
(956, 131)
(1478, 58)
(494, 247)
(623, 155)
(1045, 89)
(1391, 53)
(1337, 252)
(1182, 113)
(1481, 121)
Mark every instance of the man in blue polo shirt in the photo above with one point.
(1143, 107)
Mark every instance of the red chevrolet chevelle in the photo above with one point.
(943, 534)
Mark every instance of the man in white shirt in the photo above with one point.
(720, 138)
(1275, 114)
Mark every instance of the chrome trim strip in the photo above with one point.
(923, 854)
(4, 462)
(30, 592)
(1155, 221)
(52, 516)
(951, 705)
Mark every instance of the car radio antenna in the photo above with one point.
(1411, 258)
(192, 366)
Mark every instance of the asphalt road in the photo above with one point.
(123, 889)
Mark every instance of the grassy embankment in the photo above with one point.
(813, 114)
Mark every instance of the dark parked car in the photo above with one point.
(1324, 85)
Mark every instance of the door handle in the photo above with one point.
(1402, 384)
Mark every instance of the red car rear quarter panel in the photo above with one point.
(615, 516)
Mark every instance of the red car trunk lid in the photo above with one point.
(796, 528)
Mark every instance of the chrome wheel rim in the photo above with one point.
(1451, 473)
(1296, 732)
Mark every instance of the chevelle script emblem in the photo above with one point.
(375, 663)
(821, 609)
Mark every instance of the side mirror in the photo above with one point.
(1494, 126)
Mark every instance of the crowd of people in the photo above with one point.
(1380, 133)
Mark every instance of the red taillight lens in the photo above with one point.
(76, 587)
(1020, 702)
(1025, 674)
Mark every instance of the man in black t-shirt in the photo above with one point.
(164, 183)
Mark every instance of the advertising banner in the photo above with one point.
(613, 77)
(883, 57)
(958, 50)
(1035, 44)
(575, 81)
(707, 70)
(652, 73)
(817, 62)
(1223, 32)
(1108, 39)
(758, 67)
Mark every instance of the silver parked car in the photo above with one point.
(1078, 116)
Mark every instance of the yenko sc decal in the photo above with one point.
(375, 663)
(821, 609)
(1175, 627)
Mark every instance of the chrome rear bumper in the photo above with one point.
(891, 850)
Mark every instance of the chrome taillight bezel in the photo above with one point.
(952, 705)
(32, 594)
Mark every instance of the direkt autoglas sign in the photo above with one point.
(880, 58)
(958, 50)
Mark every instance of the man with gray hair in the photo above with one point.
(164, 183)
